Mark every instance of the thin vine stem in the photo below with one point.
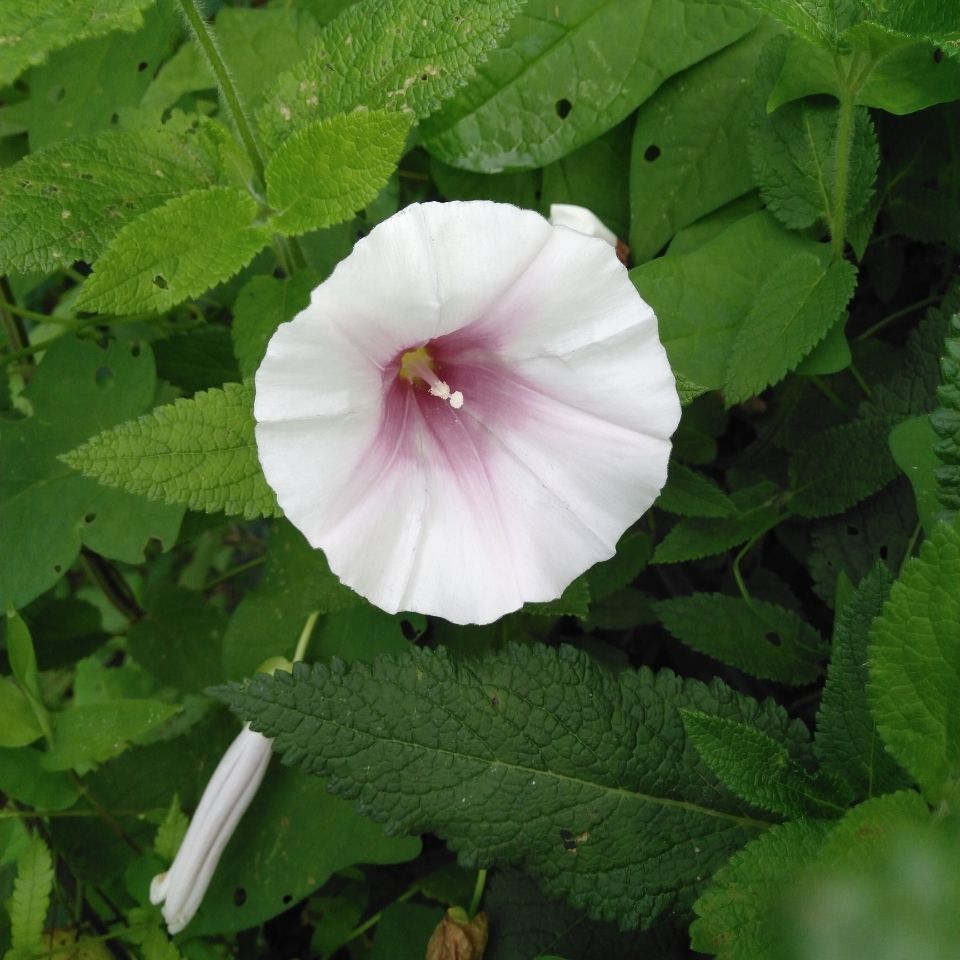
(305, 636)
(204, 35)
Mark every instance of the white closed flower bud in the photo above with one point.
(225, 800)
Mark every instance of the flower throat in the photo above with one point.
(418, 365)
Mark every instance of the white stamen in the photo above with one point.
(442, 390)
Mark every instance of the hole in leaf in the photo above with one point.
(135, 350)
(564, 107)
(141, 66)
(287, 898)
(57, 568)
(279, 273)
(160, 281)
(883, 552)
(568, 840)
(239, 896)
(103, 376)
(86, 176)
(937, 55)
(89, 518)
(115, 118)
(495, 702)
(651, 153)
(773, 638)
(56, 94)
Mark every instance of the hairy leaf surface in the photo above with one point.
(199, 452)
(325, 171)
(793, 311)
(401, 55)
(914, 658)
(175, 251)
(68, 201)
(534, 756)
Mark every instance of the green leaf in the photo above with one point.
(292, 840)
(691, 494)
(32, 30)
(23, 778)
(85, 88)
(847, 742)
(914, 659)
(46, 510)
(702, 297)
(91, 733)
(732, 914)
(565, 74)
(848, 544)
(870, 903)
(528, 925)
(23, 663)
(594, 176)
(573, 602)
(171, 831)
(758, 768)
(18, 722)
(841, 466)
(262, 304)
(31, 898)
(934, 20)
(913, 444)
(326, 170)
(521, 189)
(945, 422)
(198, 359)
(174, 252)
(741, 915)
(831, 355)
(792, 312)
(68, 201)
(687, 155)
(199, 452)
(820, 21)
(262, 42)
(760, 638)
(180, 639)
(696, 537)
(793, 154)
(469, 749)
(633, 554)
(399, 55)
(899, 76)
(269, 618)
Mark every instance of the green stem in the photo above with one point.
(477, 898)
(305, 636)
(360, 930)
(234, 572)
(204, 35)
(838, 228)
(896, 315)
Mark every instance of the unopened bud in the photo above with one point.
(457, 937)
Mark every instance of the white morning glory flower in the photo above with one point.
(471, 411)
(225, 800)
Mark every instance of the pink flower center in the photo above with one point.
(418, 366)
